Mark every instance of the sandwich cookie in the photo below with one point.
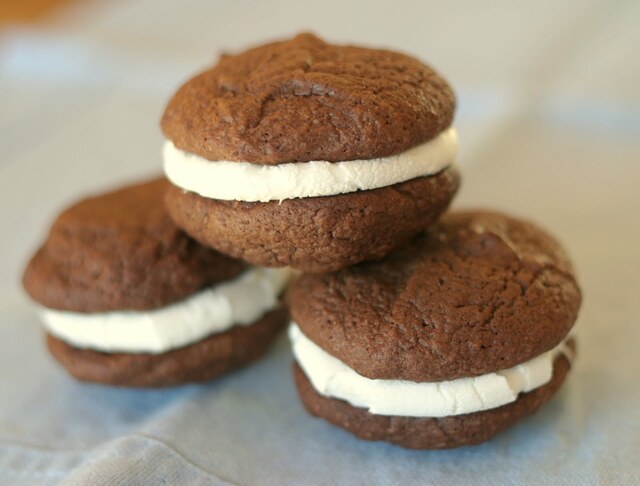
(128, 299)
(310, 155)
(446, 342)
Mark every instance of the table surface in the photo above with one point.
(549, 123)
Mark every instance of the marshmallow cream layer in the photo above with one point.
(332, 378)
(243, 181)
(237, 302)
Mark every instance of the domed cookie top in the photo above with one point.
(121, 251)
(477, 293)
(303, 99)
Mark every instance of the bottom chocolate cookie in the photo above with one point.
(429, 433)
(201, 361)
(316, 234)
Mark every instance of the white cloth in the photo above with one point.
(549, 122)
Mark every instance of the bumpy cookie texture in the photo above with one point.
(478, 292)
(121, 251)
(303, 99)
(317, 234)
(428, 433)
(201, 361)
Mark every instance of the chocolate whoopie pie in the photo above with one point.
(446, 342)
(309, 154)
(129, 299)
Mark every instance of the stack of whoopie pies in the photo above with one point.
(408, 326)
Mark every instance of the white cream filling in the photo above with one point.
(238, 302)
(243, 181)
(332, 378)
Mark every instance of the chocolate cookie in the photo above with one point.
(129, 299)
(329, 232)
(121, 251)
(429, 432)
(303, 99)
(309, 154)
(204, 360)
(461, 326)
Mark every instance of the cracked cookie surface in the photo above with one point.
(317, 234)
(304, 99)
(476, 293)
(121, 251)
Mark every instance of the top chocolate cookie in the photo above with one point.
(121, 251)
(478, 292)
(303, 99)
